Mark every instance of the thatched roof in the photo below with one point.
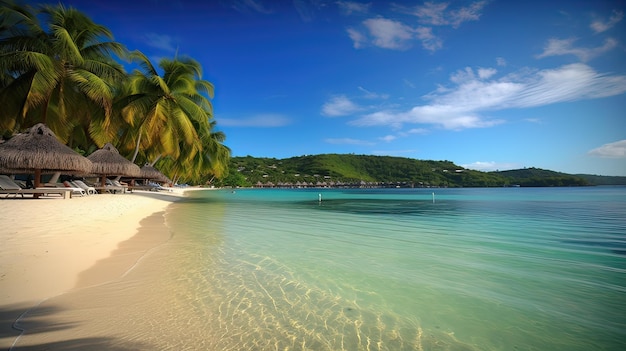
(108, 161)
(39, 149)
(149, 172)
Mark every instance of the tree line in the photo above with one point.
(347, 170)
(60, 68)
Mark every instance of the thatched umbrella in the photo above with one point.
(108, 161)
(149, 172)
(40, 151)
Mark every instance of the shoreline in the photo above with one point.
(52, 246)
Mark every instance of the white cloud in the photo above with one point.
(599, 26)
(491, 166)
(163, 42)
(439, 14)
(468, 73)
(475, 94)
(339, 106)
(350, 7)
(413, 131)
(347, 141)
(419, 131)
(359, 39)
(611, 150)
(432, 13)
(445, 116)
(556, 47)
(388, 138)
(389, 34)
(533, 120)
(465, 14)
(485, 73)
(258, 121)
(429, 40)
(373, 95)
(463, 105)
(567, 83)
(461, 76)
(500, 61)
(392, 34)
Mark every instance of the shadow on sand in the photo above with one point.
(40, 321)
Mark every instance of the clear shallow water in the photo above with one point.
(388, 269)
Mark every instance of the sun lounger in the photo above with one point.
(9, 187)
(109, 189)
(159, 187)
(80, 184)
(112, 189)
(115, 186)
(142, 187)
(118, 184)
(76, 189)
(64, 185)
(7, 184)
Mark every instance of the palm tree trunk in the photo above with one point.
(136, 148)
(155, 161)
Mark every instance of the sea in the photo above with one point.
(394, 269)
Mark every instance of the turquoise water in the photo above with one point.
(391, 269)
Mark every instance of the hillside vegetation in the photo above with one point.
(347, 170)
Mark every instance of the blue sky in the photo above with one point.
(489, 85)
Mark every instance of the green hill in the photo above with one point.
(348, 170)
(542, 177)
(603, 180)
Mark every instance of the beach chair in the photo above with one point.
(9, 187)
(66, 185)
(146, 187)
(80, 184)
(114, 187)
(117, 184)
(159, 187)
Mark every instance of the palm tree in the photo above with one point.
(217, 153)
(19, 31)
(212, 162)
(63, 74)
(168, 114)
(62, 77)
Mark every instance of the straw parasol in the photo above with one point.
(149, 172)
(39, 150)
(108, 161)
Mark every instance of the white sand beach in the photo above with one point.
(51, 246)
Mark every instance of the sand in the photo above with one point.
(52, 246)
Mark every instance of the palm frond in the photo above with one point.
(105, 49)
(144, 62)
(67, 49)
